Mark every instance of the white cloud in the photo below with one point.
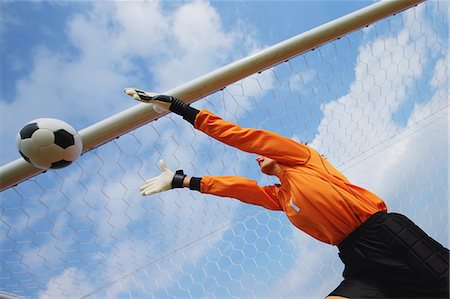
(307, 277)
(395, 161)
(115, 45)
(198, 43)
(71, 283)
(386, 68)
(298, 81)
(108, 39)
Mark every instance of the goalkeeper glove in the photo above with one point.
(168, 180)
(165, 181)
(175, 105)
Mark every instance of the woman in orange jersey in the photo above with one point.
(385, 254)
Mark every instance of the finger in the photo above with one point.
(148, 191)
(153, 190)
(143, 187)
(163, 166)
(146, 186)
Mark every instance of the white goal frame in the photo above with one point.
(136, 116)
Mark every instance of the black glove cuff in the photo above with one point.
(177, 181)
(190, 114)
(177, 106)
(194, 184)
(181, 108)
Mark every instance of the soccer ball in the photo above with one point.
(49, 143)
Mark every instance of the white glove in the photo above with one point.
(162, 182)
(147, 97)
(165, 181)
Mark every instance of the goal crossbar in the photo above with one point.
(141, 114)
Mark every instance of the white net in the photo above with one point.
(374, 102)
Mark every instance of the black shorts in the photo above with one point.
(389, 256)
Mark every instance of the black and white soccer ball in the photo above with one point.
(49, 143)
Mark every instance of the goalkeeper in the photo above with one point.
(385, 254)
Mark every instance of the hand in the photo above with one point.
(161, 183)
(160, 103)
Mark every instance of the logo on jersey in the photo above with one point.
(294, 206)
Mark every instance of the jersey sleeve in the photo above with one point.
(261, 142)
(243, 189)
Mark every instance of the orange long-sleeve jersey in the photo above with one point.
(316, 197)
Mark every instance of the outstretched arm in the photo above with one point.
(261, 142)
(237, 187)
(243, 189)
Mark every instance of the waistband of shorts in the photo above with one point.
(354, 236)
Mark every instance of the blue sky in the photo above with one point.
(374, 102)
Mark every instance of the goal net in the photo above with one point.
(374, 102)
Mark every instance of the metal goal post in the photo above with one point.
(121, 123)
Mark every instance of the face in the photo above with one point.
(268, 166)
